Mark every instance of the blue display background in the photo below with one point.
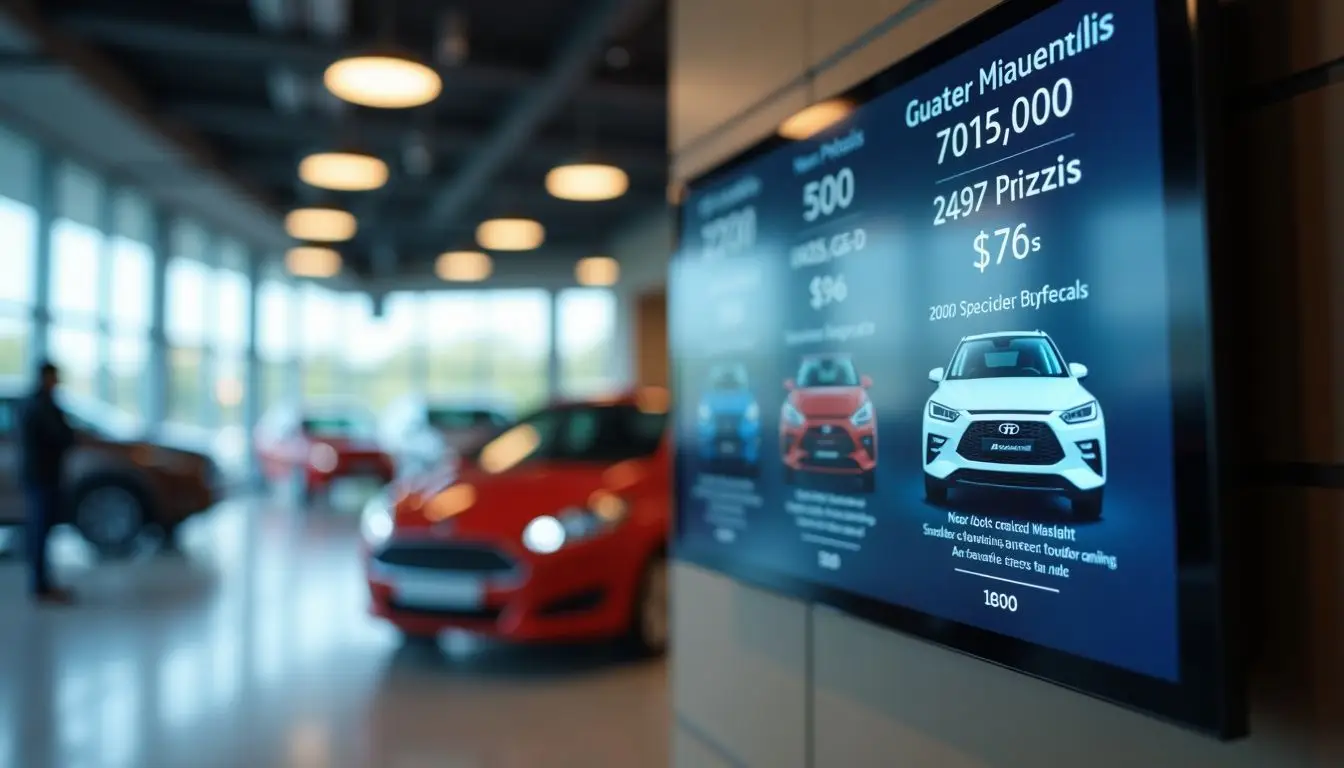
(1106, 232)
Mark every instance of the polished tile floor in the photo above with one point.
(251, 648)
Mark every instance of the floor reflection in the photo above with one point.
(251, 647)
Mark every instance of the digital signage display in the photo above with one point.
(947, 363)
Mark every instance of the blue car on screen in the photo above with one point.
(729, 419)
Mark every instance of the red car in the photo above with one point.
(318, 444)
(827, 424)
(554, 530)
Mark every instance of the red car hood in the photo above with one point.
(484, 506)
(827, 402)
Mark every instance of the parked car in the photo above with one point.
(729, 419)
(118, 483)
(827, 424)
(422, 433)
(554, 530)
(1009, 414)
(316, 444)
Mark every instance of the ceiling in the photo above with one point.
(541, 82)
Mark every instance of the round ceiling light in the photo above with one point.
(596, 271)
(312, 261)
(383, 81)
(463, 266)
(323, 225)
(809, 121)
(510, 234)
(587, 182)
(343, 171)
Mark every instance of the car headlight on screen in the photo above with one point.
(322, 457)
(942, 412)
(753, 413)
(863, 415)
(546, 534)
(377, 521)
(1083, 413)
(790, 415)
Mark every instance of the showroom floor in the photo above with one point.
(252, 648)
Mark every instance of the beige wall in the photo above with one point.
(762, 680)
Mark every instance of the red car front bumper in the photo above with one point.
(583, 592)
(831, 446)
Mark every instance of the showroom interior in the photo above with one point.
(168, 240)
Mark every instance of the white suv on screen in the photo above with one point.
(1010, 414)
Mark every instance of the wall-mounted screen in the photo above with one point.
(946, 364)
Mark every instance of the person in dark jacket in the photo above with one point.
(45, 439)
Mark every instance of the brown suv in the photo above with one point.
(116, 486)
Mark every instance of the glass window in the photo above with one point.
(184, 384)
(587, 318)
(275, 321)
(188, 284)
(15, 337)
(129, 355)
(18, 228)
(232, 304)
(230, 388)
(320, 341)
(131, 302)
(75, 276)
(75, 352)
(1004, 356)
(518, 339)
(398, 338)
(456, 345)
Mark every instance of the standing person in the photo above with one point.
(45, 439)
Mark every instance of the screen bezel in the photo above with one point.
(1210, 695)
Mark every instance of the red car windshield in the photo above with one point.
(828, 372)
(603, 434)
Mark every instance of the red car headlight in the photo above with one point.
(546, 534)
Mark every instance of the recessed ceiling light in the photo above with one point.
(383, 81)
(510, 234)
(463, 266)
(323, 225)
(596, 271)
(587, 182)
(343, 171)
(312, 261)
(809, 121)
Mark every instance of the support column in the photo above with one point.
(44, 202)
(107, 225)
(252, 378)
(553, 383)
(207, 408)
(156, 389)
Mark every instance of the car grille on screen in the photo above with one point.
(1046, 449)
(446, 557)
(727, 425)
(838, 440)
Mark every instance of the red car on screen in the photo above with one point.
(827, 424)
(317, 445)
(556, 529)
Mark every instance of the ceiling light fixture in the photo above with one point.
(383, 81)
(597, 271)
(587, 182)
(312, 261)
(324, 225)
(343, 171)
(463, 266)
(510, 234)
(809, 121)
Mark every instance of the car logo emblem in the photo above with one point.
(1009, 429)
(826, 430)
